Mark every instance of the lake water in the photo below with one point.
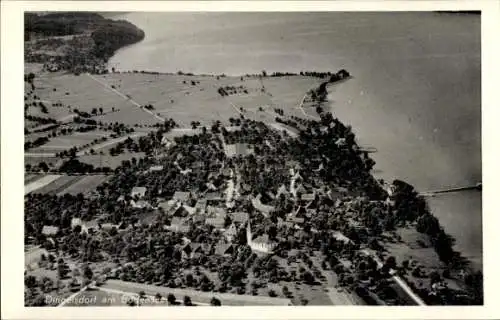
(415, 96)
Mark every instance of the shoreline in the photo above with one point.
(474, 265)
(331, 108)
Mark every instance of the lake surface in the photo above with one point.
(415, 96)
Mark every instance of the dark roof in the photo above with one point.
(180, 212)
(223, 248)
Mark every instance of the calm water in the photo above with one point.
(416, 95)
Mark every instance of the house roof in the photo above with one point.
(242, 149)
(198, 218)
(76, 222)
(223, 248)
(139, 204)
(215, 211)
(108, 226)
(139, 191)
(179, 211)
(190, 210)
(308, 196)
(50, 230)
(216, 222)
(213, 196)
(201, 202)
(232, 230)
(167, 205)
(240, 216)
(182, 195)
(156, 168)
(176, 221)
(262, 239)
(341, 237)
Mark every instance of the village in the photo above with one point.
(236, 214)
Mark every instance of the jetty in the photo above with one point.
(478, 186)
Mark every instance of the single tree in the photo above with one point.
(171, 299)
(215, 302)
(187, 301)
(88, 273)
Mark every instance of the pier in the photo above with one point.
(431, 193)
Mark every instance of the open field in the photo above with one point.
(79, 92)
(181, 97)
(30, 177)
(77, 139)
(33, 67)
(59, 185)
(112, 142)
(40, 183)
(109, 161)
(85, 185)
(184, 99)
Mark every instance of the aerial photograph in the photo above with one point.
(252, 159)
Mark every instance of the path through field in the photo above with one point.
(125, 97)
(397, 279)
